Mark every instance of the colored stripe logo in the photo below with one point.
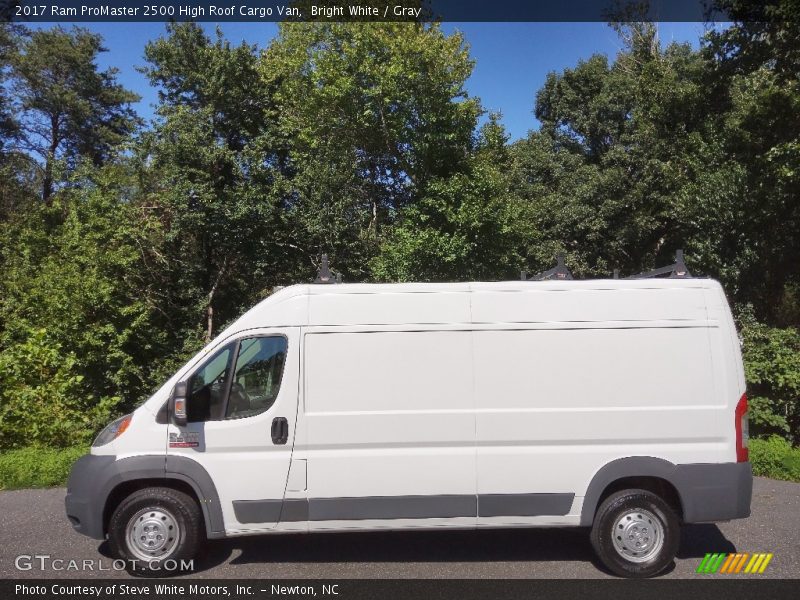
(738, 562)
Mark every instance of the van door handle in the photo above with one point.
(280, 430)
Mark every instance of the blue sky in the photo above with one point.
(512, 59)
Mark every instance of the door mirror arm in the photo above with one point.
(177, 404)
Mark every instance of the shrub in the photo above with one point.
(775, 458)
(35, 467)
(42, 402)
(772, 367)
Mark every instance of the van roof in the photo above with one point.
(391, 303)
(469, 286)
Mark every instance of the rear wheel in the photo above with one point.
(154, 529)
(635, 533)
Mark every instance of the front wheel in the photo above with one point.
(635, 533)
(155, 530)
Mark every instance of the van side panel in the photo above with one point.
(541, 304)
(556, 401)
(389, 308)
(390, 429)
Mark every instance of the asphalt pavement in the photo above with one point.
(33, 524)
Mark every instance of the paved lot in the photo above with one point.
(32, 522)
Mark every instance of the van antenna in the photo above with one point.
(325, 275)
(677, 270)
(560, 271)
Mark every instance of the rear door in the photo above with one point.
(242, 412)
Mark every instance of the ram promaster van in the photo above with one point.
(616, 405)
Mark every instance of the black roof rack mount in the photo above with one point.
(560, 271)
(677, 270)
(325, 275)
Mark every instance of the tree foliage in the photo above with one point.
(755, 71)
(372, 114)
(67, 108)
(464, 227)
(772, 367)
(210, 178)
(614, 175)
(85, 278)
(41, 397)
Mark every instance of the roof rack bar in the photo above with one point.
(677, 270)
(560, 271)
(325, 275)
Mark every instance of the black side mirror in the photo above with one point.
(177, 403)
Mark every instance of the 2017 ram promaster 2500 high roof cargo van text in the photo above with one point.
(615, 404)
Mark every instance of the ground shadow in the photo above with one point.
(498, 545)
(418, 546)
(699, 540)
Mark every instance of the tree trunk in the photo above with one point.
(210, 317)
(210, 303)
(47, 183)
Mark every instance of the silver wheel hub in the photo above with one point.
(638, 535)
(152, 534)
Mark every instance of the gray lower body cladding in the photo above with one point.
(93, 478)
(402, 507)
(85, 499)
(714, 492)
(708, 492)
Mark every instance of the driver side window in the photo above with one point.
(209, 385)
(220, 391)
(257, 378)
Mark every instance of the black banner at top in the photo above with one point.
(358, 10)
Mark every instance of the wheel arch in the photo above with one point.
(644, 472)
(177, 472)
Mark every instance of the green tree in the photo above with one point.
(16, 175)
(609, 176)
(42, 401)
(68, 109)
(373, 115)
(8, 125)
(83, 269)
(209, 178)
(465, 226)
(772, 366)
(755, 73)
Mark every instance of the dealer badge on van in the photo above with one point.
(188, 439)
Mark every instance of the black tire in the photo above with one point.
(624, 505)
(181, 508)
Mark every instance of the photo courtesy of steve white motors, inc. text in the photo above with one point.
(118, 590)
(134, 10)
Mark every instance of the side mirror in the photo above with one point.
(177, 403)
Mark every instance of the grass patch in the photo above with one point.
(37, 467)
(775, 458)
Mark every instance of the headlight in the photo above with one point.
(112, 431)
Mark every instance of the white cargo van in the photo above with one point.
(612, 404)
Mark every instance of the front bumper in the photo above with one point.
(86, 494)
